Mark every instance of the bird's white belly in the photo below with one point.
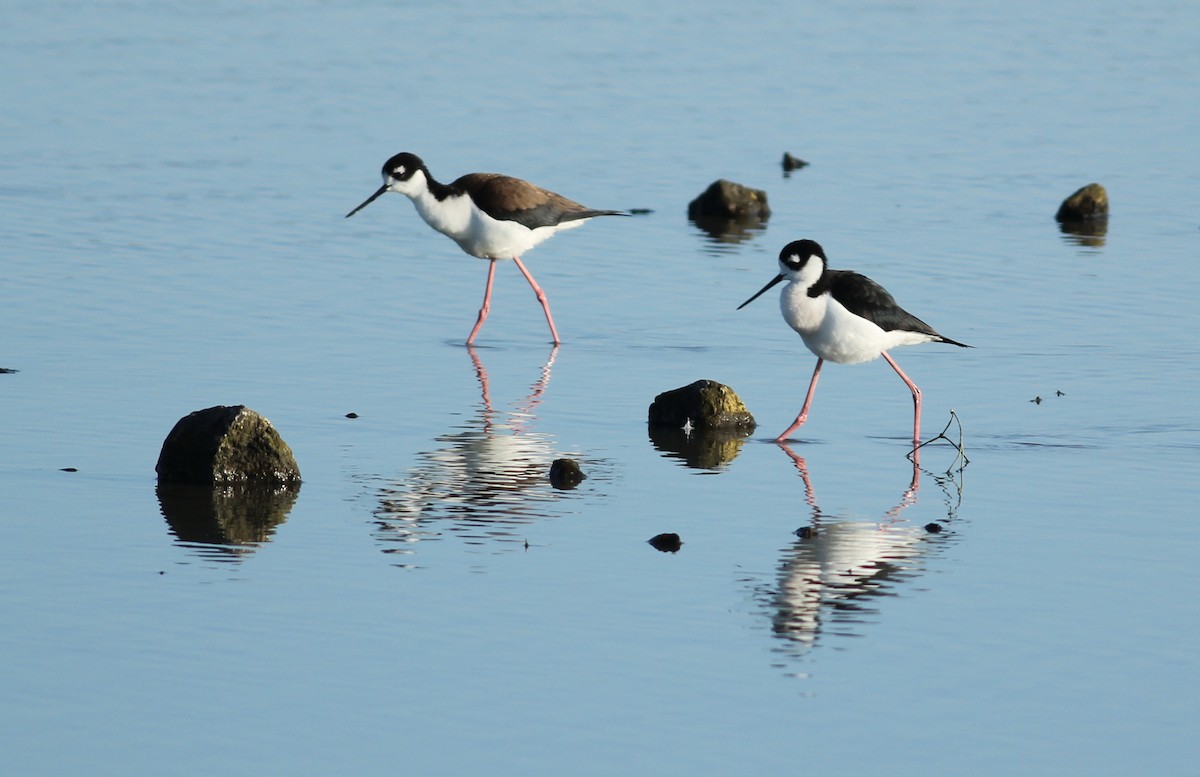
(837, 335)
(844, 338)
(478, 233)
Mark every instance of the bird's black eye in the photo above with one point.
(398, 171)
(794, 261)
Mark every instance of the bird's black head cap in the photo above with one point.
(402, 166)
(797, 252)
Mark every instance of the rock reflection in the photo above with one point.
(831, 577)
(481, 482)
(1089, 234)
(700, 449)
(224, 522)
(723, 233)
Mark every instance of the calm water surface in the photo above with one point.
(174, 181)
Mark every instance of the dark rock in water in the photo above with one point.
(933, 528)
(701, 406)
(226, 445)
(226, 478)
(729, 212)
(791, 163)
(667, 543)
(806, 532)
(704, 424)
(1088, 204)
(730, 200)
(352, 415)
(565, 474)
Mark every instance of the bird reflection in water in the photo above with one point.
(481, 482)
(830, 577)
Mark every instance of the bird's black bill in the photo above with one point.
(761, 291)
(368, 201)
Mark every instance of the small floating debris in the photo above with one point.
(806, 532)
(67, 469)
(666, 543)
(352, 415)
(565, 474)
(791, 163)
(933, 528)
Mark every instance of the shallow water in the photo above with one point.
(173, 190)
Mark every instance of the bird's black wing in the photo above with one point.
(864, 297)
(510, 199)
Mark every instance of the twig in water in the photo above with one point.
(961, 451)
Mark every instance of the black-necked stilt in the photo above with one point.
(490, 216)
(844, 317)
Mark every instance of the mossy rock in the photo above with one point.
(226, 445)
(730, 200)
(1087, 204)
(706, 404)
(566, 474)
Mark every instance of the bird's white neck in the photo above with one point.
(450, 216)
(802, 312)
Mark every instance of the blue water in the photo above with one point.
(174, 181)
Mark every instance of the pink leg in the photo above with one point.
(541, 298)
(800, 419)
(916, 392)
(487, 302)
